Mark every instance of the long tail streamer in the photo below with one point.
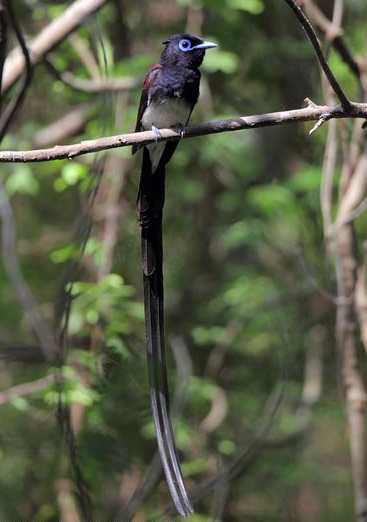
(150, 213)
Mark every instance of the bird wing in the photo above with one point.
(153, 73)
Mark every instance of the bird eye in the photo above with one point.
(185, 45)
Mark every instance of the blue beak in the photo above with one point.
(205, 45)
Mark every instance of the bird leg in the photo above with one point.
(181, 130)
(156, 133)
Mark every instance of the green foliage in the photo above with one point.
(70, 174)
(22, 180)
(107, 300)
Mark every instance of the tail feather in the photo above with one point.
(150, 213)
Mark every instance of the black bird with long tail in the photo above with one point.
(170, 92)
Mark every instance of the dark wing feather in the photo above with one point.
(153, 73)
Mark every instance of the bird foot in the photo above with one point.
(156, 133)
(181, 130)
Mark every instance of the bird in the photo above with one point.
(169, 94)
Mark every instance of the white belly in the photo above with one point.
(164, 115)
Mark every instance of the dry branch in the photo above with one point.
(333, 33)
(320, 56)
(15, 103)
(51, 35)
(311, 113)
(97, 86)
(59, 130)
(20, 390)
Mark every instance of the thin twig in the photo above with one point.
(356, 110)
(86, 56)
(326, 185)
(356, 212)
(26, 388)
(18, 98)
(320, 56)
(92, 86)
(20, 287)
(330, 29)
(49, 38)
(3, 40)
(333, 33)
(70, 124)
(338, 13)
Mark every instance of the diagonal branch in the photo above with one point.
(311, 113)
(49, 38)
(26, 388)
(92, 86)
(16, 101)
(320, 56)
(333, 33)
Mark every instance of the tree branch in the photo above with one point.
(25, 388)
(92, 86)
(311, 113)
(333, 33)
(51, 36)
(3, 41)
(16, 101)
(320, 56)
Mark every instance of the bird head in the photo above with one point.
(185, 49)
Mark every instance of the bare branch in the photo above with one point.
(320, 56)
(338, 13)
(85, 54)
(92, 86)
(330, 29)
(326, 184)
(355, 391)
(356, 110)
(15, 103)
(59, 130)
(354, 214)
(333, 33)
(361, 298)
(355, 192)
(20, 287)
(104, 85)
(49, 38)
(3, 40)
(25, 388)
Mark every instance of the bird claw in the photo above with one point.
(156, 133)
(181, 130)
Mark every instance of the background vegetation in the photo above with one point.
(250, 313)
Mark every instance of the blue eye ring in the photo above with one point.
(185, 45)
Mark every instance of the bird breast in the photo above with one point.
(171, 113)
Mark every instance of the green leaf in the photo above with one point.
(20, 403)
(23, 181)
(117, 345)
(223, 61)
(71, 174)
(206, 335)
(307, 179)
(270, 198)
(251, 6)
(227, 447)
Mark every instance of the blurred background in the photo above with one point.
(249, 290)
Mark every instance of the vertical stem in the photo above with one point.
(3, 40)
(355, 393)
